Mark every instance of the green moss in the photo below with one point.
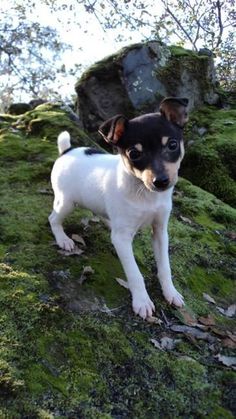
(180, 61)
(210, 161)
(72, 350)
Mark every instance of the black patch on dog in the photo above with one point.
(148, 130)
(92, 151)
(66, 151)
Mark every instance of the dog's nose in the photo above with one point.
(161, 182)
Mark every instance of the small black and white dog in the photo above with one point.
(130, 190)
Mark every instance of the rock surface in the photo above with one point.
(137, 78)
(73, 348)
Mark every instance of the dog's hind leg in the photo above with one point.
(60, 211)
(160, 247)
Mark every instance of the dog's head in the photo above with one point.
(151, 146)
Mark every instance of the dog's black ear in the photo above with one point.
(174, 110)
(183, 101)
(113, 129)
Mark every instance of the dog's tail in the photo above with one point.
(63, 142)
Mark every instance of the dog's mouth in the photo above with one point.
(153, 188)
(160, 188)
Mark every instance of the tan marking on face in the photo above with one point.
(164, 140)
(182, 151)
(147, 178)
(139, 147)
(171, 170)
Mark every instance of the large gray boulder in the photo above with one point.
(138, 77)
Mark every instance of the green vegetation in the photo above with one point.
(72, 350)
(210, 159)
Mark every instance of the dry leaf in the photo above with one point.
(168, 343)
(231, 336)
(193, 332)
(228, 361)
(218, 332)
(231, 235)
(84, 221)
(207, 321)
(187, 317)
(88, 270)
(156, 344)
(75, 251)
(154, 320)
(208, 298)
(186, 220)
(228, 343)
(95, 219)
(78, 239)
(220, 309)
(231, 310)
(123, 283)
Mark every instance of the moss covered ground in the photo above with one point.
(72, 350)
(210, 158)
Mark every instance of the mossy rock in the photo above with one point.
(72, 350)
(138, 77)
(210, 159)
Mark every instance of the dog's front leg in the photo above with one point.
(160, 247)
(141, 302)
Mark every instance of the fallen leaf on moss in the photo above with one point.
(78, 239)
(154, 320)
(207, 321)
(156, 344)
(228, 361)
(168, 343)
(186, 316)
(218, 332)
(208, 298)
(220, 309)
(193, 332)
(229, 343)
(75, 252)
(95, 219)
(231, 235)
(186, 220)
(231, 336)
(84, 222)
(231, 311)
(88, 270)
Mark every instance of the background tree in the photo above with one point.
(29, 57)
(191, 23)
(32, 59)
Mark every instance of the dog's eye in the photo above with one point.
(172, 144)
(134, 154)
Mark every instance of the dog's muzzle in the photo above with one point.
(161, 183)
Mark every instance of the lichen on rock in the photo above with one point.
(138, 77)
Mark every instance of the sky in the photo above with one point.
(89, 43)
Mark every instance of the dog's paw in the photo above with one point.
(66, 243)
(143, 305)
(172, 296)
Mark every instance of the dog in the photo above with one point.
(130, 190)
